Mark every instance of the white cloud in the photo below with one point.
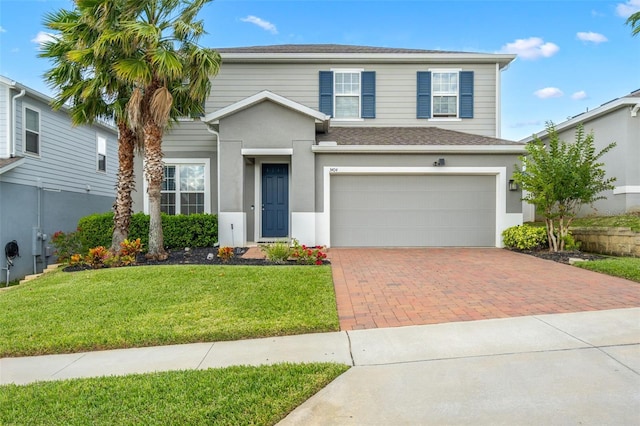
(592, 37)
(548, 92)
(629, 8)
(2, 30)
(579, 95)
(531, 48)
(529, 123)
(42, 38)
(265, 25)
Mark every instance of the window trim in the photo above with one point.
(337, 71)
(25, 107)
(183, 161)
(100, 136)
(433, 95)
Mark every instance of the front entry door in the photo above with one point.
(275, 200)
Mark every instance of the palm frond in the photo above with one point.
(161, 104)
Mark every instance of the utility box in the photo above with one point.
(36, 241)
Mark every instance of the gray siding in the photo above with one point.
(188, 136)
(395, 91)
(68, 155)
(59, 211)
(622, 162)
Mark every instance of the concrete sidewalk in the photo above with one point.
(546, 369)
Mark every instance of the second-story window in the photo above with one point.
(31, 131)
(445, 94)
(347, 93)
(102, 154)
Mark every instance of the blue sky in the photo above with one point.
(573, 55)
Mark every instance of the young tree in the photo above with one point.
(560, 177)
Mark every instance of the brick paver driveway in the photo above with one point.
(397, 287)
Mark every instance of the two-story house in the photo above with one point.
(348, 146)
(615, 121)
(51, 174)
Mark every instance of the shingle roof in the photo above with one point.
(406, 136)
(323, 48)
(7, 161)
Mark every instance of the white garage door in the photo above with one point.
(413, 211)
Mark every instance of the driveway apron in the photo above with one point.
(416, 286)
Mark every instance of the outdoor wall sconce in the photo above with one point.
(513, 186)
(440, 162)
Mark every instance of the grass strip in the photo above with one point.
(623, 267)
(230, 396)
(160, 305)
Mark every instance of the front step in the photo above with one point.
(49, 268)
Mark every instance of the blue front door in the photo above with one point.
(275, 200)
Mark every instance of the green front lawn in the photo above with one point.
(624, 221)
(160, 305)
(624, 267)
(230, 396)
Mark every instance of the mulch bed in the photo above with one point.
(561, 257)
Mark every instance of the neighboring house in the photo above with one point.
(615, 121)
(51, 174)
(347, 146)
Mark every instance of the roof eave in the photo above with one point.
(12, 165)
(472, 58)
(588, 116)
(419, 149)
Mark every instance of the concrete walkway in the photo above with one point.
(575, 368)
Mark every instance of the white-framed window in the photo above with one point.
(101, 153)
(186, 187)
(445, 93)
(31, 130)
(347, 86)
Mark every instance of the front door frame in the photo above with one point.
(258, 194)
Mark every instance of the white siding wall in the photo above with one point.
(5, 101)
(395, 91)
(67, 160)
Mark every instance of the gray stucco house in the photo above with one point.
(615, 121)
(51, 174)
(347, 146)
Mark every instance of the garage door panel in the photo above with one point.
(412, 210)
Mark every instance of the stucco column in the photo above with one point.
(303, 193)
(231, 219)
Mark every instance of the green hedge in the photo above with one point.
(196, 230)
(524, 237)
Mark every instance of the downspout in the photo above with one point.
(12, 142)
(210, 130)
(498, 103)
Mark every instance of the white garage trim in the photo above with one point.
(503, 220)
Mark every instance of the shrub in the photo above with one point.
(66, 245)
(99, 257)
(277, 252)
(225, 253)
(308, 255)
(524, 237)
(196, 230)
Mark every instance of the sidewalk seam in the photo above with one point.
(599, 348)
(353, 361)
(205, 355)
(69, 365)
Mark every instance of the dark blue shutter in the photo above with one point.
(368, 94)
(325, 104)
(424, 94)
(466, 94)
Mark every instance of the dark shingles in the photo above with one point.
(406, 136)
(324, 48)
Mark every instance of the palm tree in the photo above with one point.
(634, 21)
(149, 49)
(86, 84)
(170, 76)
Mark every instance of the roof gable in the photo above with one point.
(265, 95)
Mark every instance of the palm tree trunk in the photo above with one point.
(122, 208)
(153, 171)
